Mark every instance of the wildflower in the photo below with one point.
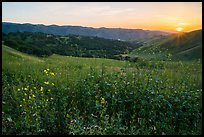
(45, 71)
(46, 83)
(19, 89)
(103, 101)
(52, 73)
(41, 88)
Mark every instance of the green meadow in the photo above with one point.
(97, 96)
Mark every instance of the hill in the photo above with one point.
(74, 95)
(186, 46)
(109, 33)
(182, 46)
(42, 44)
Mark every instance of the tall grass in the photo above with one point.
(69, 95)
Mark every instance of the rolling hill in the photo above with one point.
(108, 33)
(183, 46)
(187, 46)
(42, 44)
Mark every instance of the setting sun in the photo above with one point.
(179, 29)
(186, 16)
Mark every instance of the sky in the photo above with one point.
(166, 16)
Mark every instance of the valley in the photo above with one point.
(80, 85)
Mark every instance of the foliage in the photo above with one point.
(41, 44)
(184, 46)
(93, 96)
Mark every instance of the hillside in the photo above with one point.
(41, 44)
(187, 46)
(74, 95)
(109, 33)
(183, 46)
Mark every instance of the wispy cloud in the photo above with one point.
(88, 10)
(168, 17)
(96, 14)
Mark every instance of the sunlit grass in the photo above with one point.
(72, 95)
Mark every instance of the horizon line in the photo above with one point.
(168, 31)
(90, 26)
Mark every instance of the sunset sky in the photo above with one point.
(167, 16)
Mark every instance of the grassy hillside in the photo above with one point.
(187, 46)
(151, 50)
(184, 46)
(94, 96)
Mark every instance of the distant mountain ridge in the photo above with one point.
(108, 33)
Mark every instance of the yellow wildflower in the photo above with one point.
(45, 71)
(46, 82)
(41, 88)
(103, 101)
(52, 73)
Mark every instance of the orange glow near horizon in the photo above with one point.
(166, 16)
(179, 29)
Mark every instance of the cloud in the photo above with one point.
(167, 17)
(86, 10)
